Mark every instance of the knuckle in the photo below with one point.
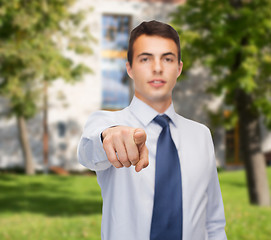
(126, 131)
(112, 161)
(128, 164)
(118, 166)
(124, 160)
(107, 141)
(122, 155)
(117, 134)
(112, 157)
(134, 159)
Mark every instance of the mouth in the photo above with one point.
(157, 82)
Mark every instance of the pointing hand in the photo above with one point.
(125, 146)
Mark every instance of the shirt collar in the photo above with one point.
(172, 114)
(145, 114)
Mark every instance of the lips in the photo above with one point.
(157, 82)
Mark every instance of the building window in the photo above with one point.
(61, 127)
(115, 84)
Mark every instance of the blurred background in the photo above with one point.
(62, 60)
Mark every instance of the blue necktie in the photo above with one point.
(167, 217)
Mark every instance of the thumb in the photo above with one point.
(139, 136)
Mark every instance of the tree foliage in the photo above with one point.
(34, 37)
(231, 38)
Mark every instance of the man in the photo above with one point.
(156, 169)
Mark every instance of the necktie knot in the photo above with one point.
(162, 120)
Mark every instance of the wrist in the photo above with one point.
(103, 134)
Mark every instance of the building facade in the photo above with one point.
(108, 87)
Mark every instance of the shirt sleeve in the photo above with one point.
(215, 219)
(90, 150)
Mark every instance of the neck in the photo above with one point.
(159, 106)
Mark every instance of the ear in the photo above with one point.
(180, 68)
(129, 70)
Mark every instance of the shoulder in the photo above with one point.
(103, 116)
(191, 125)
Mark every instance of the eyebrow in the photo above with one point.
(150, 54)
(169, 53)
(144, 54)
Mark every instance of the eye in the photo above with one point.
(145, 59)
(168, 59)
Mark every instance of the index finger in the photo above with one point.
(143, 159)
(132, 152)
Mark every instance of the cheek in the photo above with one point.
(174, 74)
(173, 78)
(138, 80)
(173, 83)
(140, 74)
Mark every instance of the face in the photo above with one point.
(155, 69)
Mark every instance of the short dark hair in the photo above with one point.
(153, 28)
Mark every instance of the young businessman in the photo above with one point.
(156, 169)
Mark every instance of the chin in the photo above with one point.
(160, 98)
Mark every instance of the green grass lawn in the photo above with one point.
(244, 221)
(55, 207)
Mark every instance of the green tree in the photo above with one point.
(34, 35)
(232, 39)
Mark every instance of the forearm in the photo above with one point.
(215, 223)
(215, 218)
(91, 154)
(90, 148)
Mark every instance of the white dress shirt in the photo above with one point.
(128, 195)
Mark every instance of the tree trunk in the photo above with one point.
(251, 150)
(45, 129)
(26, 149)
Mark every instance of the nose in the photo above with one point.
(157, 66)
